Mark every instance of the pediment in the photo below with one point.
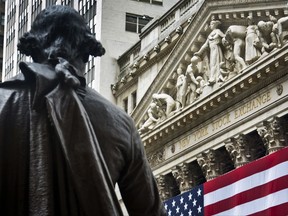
(216, 96)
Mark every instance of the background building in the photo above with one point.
(116, 24)
(2, 17)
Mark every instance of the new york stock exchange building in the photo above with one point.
(207, 86)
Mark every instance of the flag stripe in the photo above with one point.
(282, 210)
(247, 196)
(245, 184)
(247, 170)
(260, 204)
(257, 188)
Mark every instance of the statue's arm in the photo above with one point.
(138, 185)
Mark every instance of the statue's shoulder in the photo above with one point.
(104, 109)
(31, 70)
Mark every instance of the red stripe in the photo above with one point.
(247, 170)
(247, 196)
(280, 210)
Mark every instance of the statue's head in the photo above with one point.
(60, 31)
(250, 20)
(214, 24)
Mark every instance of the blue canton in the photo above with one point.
(189, 203)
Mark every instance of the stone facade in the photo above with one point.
(219, 99)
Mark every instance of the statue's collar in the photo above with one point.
(42, 78)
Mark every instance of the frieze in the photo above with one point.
(226, 120)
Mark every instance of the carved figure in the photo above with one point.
(265, 135)
(224, 72)
(235, 35)
(280, 29)
(155, 114)
(196, 81)
(166, 102)
(252, 42)
(267, 37)
(63, 146)
(181, 87)
(213, 44)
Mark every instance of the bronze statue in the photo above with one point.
(63, 147)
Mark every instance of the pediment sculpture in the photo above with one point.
(224, 54)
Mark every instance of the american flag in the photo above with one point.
(257, 188)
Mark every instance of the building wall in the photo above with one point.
(108, 23)
(226, 124)
(2, 17)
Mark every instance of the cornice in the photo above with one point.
(133, 76)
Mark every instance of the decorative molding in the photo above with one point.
(240, 150)
(273, 134)
(183, 176)
(210, 164)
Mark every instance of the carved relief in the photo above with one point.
(183, 177)
(163, 187)
(272, 134)
(166, 186)
(209, 164)
(155, 115)
(240, 150)
(268, 39)
(213, 45)
(196, 80)
(282, 29)
(162, 106)
(234, 43)
(181, 87)
(220, 57)
(155, 158)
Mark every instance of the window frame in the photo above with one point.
(138, 24)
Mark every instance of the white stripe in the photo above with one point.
(247, 183)
(258, 205)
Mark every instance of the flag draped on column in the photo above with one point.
(257, 188)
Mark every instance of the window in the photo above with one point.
(50, 2)
(134, 23)
(1, 40)
(134, 99)
(2, 19)
(125, 105)
(156, 2)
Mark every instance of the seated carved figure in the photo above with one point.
(63, 147)
(166, 102)
(280, 29)
(267, 38)
(155, 115)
